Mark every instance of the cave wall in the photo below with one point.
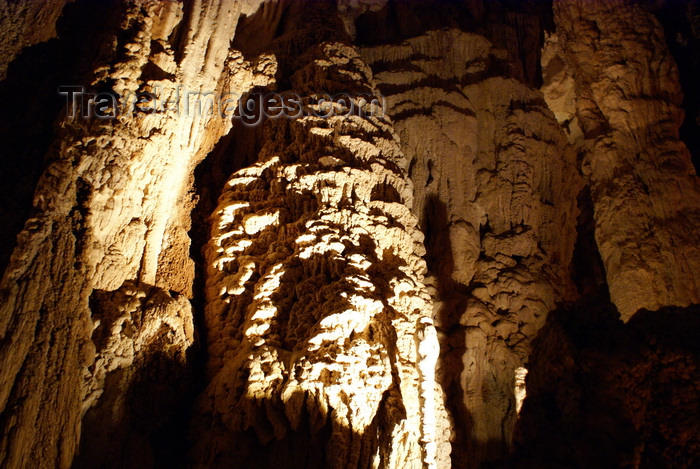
(489, 164)
(360, 290)
(626, 102)
(111, 209)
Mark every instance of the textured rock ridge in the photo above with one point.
(317, 314)
(111, 209)
(488, 162)
(142, 337)
(626, 100)
(493, 267)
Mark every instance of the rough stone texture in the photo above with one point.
(24, 24)
(645, 193)
(108, 213)
(328, 341)
(512, 26)
(317, 315)
(681, 22)
(142, 337)
(488, 161)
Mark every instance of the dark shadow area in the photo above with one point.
(604, 394)
(141, 418)
(31, 105)
(681, 22)
(298, 449)
(288, 29)
(587, 269)
(149, 433)
(452, 347)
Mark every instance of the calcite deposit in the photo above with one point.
(626, 100)
(470, 240)
(495, 188)
(316, 305)
(107, 212)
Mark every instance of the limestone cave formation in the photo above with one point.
(349, 234)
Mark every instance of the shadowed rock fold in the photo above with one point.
(493, 265)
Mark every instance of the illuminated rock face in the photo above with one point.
(111, 210)
(626, 101)
(317, 315)
(372, 289)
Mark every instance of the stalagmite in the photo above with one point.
(315, 288)
(349, 234)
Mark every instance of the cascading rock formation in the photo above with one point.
(349, 234)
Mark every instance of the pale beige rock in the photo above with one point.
(111, 204)
(316, 309)
(495, 187)
(558, 88)
(329, 341)
(520, 387)
(645, 192)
